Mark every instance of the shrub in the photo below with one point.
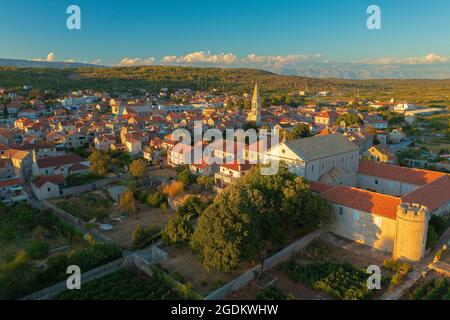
(173, 189)
(178, 231)
(342, 281)
(271, 293)
(396, 266)
(396, 279)
(192, 207)
(439, 224)
(156, 199)
(186, 177)
(142, 237)
(206, 182)
(38, 249)
(432, 237)
(78, 179)
(127, 202)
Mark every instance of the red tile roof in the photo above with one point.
(319, 187)
(235, 166)
(366, 201)
(41, 180)
(392, 172)
(10, 182)
(59, 161)
(433, 195)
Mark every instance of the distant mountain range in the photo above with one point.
(42, 64)
(312, 69)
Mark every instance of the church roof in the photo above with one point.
(318, 147)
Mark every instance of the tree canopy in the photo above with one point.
(256, 211)
(137, 168)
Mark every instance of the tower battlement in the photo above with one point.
(412, 211)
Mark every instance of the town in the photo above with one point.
(101, 180)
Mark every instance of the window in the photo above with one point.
(312, 168)
(340, 211)
(376, 181)
(49, 189)
(323, 166)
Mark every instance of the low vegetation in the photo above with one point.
(125, 284)
(399, 270)
(342, 281)
(74, 180)
(435, 289)
(144, 236)
(20, 276)
(87, 206)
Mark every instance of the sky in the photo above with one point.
(322, 37)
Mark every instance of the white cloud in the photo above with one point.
(169, 59)
(96, 61)
(201, 57)
(51, 57)
(430, 58)
(230, 59)
(69, 60)
(137, 61)
(278, 60)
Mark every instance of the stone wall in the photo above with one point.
(291, 250)
(87, 187)
(236, 284)
(268, 264)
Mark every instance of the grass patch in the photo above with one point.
(88, 206)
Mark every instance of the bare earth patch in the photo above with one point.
(121, 234)
(184, 263)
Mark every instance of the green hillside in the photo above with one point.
(131, 79)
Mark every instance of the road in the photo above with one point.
(402, 145)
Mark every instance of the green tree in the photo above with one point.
(300, 130)
(178, 230)
(186, 176)
(138, 168)
(256, 211)
(349, 119)
(127, 202)
(38, 249)
(100, 162)
(206, 182)
(5, 101)
(225, 234)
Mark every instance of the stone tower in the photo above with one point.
(255, 113)
(411, 232)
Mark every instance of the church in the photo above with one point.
(380, 205)
(255, 113)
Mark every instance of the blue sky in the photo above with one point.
(319, 31)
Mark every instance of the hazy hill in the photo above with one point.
(41, 64)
